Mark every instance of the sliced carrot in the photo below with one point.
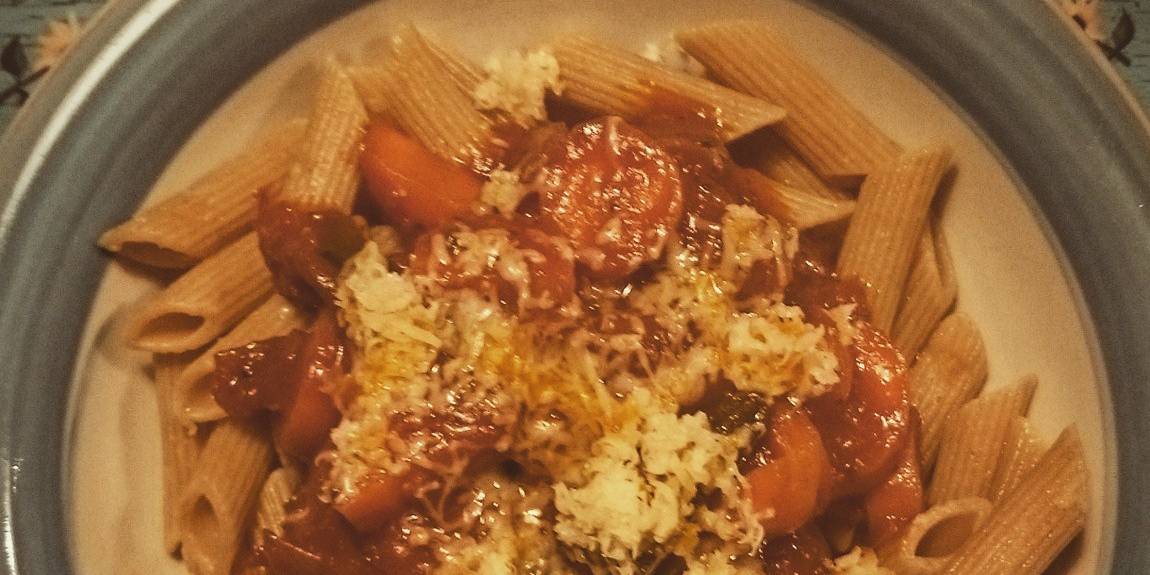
(865, 433)
(377, 501)
(410, 184)
(790, 481)
(894, 503)
(303, 428)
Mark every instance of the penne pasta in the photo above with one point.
(974, 439)
(220, 498)
(797, 207)
(930, 293)
(213, 211)
(609, 80)
(193, 393)
(205, 301)
(425, 89)
(180, 446)
(889, 219)
(1021, 454)
(767, 152)
(1032, 524)
(326, 174)
(831, 135)
(278, 489)
(934, 535)
(950, 371)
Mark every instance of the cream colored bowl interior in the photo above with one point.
(1011, 275)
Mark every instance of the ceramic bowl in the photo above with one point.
(1046, 217)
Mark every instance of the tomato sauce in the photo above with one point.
(612, 190)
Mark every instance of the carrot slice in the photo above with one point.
(410, 184)
(377, 501)
(303, 427)
(894, 503)
(790, 480)
(865, 433)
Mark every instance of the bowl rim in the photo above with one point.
(990, 58)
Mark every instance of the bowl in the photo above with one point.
(1046, 216)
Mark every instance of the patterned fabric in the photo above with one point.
(25, 25)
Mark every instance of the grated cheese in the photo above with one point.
(750, 237)
(859, 561)
(502, 192)
(517, 82)
(637, 492)
(670, 54)
(600, 410)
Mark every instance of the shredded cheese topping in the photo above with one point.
(597, 412)
(517, 82)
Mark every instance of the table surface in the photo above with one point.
(25, 20)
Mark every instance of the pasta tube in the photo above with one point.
(1032, 524)
(831, 135)
(205, 301)
(950, 371)
(608, 80)
(221, 496)
(973, 440)
(216, 209)
(889, 220)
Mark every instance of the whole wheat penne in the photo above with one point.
(949, 371)
(220, 498)
(180, 446)
(769, 153)
(932, 537)
(326, 173)
(371, 80)
(831, 135)
(423, 88)
(1032, 524)
(889, 219)
(973, 439)
(193, 393)
(795, 206)
(205, 301)
(1022, 452)
(609, 80)
(930, 293)
(277, 490)
(215, 210)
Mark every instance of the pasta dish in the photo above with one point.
(580, 310)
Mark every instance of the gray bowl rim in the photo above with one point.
(101, 128)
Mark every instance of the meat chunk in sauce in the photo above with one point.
(305, 249)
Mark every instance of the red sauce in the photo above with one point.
(304, 250)
(290, 376)
(260, 376)
(550, 273)
(895, 502)
(316, 539)
(804, 552)
(865, 432)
